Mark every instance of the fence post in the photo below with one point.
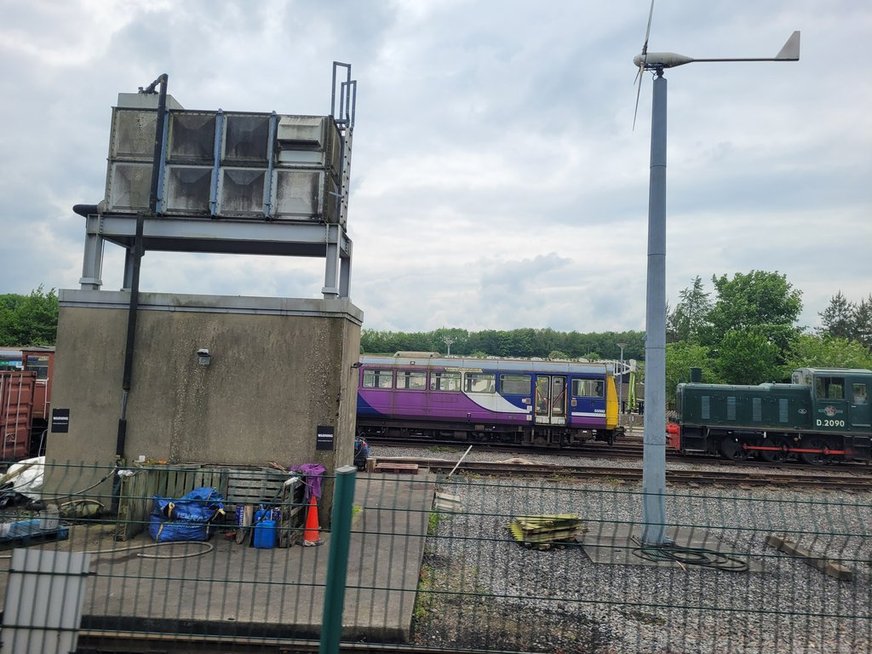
(337, 560)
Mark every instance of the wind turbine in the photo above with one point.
(654, 456)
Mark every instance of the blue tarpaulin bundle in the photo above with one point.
(185, 518)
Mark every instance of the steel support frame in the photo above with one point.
(227, 236)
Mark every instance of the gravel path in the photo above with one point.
(480, 589)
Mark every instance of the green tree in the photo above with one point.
(680, 358)
(757, 299)
(748, 356)
(690, 316)
(863, 322)
(29, 319)
(820, 351)
(838, 319)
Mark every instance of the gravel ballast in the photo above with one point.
(482, 590)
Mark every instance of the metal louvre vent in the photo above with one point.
(731, 408)
(188, 189)
(782, 409)
(192, 137)
(299, 194)
(241, 192)
(245, 138)
(757, 409)
(133, 134)
(129, 186)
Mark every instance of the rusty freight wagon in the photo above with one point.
(25, 404)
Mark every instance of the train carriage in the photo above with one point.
(506, 400)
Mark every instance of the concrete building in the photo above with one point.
(278, 369)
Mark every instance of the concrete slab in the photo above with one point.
(233, 590)
(621, 544)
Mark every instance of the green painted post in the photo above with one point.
(337, 560)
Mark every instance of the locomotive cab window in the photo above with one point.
(412, 381)
(478, 382)
(830, 388)
(860, 396)
(445, 381)
(515, 384)
(378, 378)
(588, 387)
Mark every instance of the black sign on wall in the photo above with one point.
(324, 438)
(60, 421)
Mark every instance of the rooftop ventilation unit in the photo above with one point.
(228, 164)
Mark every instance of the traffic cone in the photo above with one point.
(311, 534)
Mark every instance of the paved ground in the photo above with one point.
(237, 590)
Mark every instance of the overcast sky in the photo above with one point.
(496, 179)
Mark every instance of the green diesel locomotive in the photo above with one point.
(823, 415)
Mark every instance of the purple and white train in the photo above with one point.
(525, 402)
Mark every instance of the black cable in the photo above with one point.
(700, 556)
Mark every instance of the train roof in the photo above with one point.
(426, 359)
(743, 387)
(837, 371)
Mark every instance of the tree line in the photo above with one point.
(524, 343)
(29, 319)
(743, 330)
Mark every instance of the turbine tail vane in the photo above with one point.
(790, 51)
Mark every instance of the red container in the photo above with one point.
(17, 389)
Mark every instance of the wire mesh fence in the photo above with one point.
(467, 564)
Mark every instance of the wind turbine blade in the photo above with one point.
(648, 29)
(790, 51)
(638, 92)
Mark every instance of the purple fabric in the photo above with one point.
(312, 473)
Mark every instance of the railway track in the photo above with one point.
(734, 477)
(628, 449)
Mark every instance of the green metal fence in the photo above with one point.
(469, 564)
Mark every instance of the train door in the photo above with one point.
(861, 415)
(830, 404)
(550, 400)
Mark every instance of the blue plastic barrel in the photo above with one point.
(265, 534)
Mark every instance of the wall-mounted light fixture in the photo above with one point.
(356, 365)
(203, 357)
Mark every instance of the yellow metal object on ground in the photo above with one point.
(543, 531)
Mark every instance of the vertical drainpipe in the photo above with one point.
(138, 251)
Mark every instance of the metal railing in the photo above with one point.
(543, 565)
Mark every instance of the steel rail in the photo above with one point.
(861, 481)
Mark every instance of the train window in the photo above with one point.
(413, 381)
(860, 396)
(587, 387)
(830, 388)
(478, 382)
(445, 381)
(374, 378)
(515, 384)
(37, 363)
(756, 409)
(731, 407)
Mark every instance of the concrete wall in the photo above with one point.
(279, 368)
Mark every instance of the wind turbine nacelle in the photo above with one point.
(661, 60)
